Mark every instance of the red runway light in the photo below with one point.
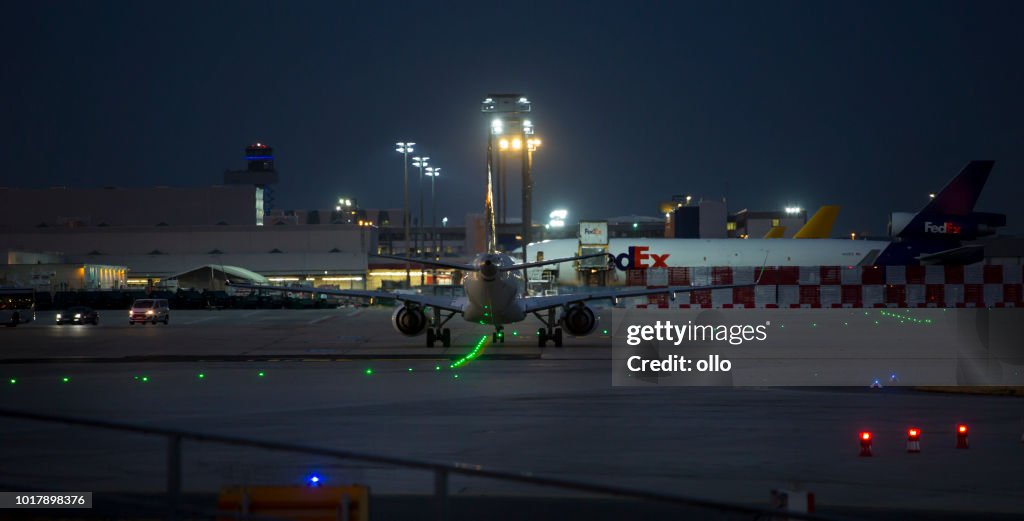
(913, 440)
(961, 437)
(865, 444)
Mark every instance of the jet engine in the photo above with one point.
(578, 319)
(409, 321)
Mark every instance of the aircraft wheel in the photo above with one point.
(542, 337)
(446, 337)
(431, 337)
(558, 337)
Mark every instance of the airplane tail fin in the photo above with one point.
(776, 232)
(950, 214)
(820, 224)
(489, 232)
(960, 195)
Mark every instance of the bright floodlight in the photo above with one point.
(433, 171)
(497, 126)
(517, 144)
(559, 214)
(337, 208)
(404, 148)
(503, 144)
(791, 210)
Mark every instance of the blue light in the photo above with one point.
(253, 158)
(314, 480)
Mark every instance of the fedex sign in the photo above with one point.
(637, 258)
(946, 228)
(593, 233)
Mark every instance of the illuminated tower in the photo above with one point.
(260, 173)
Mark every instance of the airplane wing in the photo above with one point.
(429, 262)
(540, 303)
(445, 303)
(550, 261)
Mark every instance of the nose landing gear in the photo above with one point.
(499, 335)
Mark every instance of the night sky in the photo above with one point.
(870, 105)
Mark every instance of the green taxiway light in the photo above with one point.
(471, 355)
(145, 378)
(261, 373)
(437, 368)
(65, 379)
(368, 371)
(410, 369)
(604, 331)
(201, 375)
(456, 375)
(515, 333)
(13, 381)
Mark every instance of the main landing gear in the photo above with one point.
(550, 332)
(439, 333)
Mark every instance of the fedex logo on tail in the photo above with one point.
(950, 228)
(637, 258)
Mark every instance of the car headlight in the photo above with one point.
(58, 316)
(78, 315)
(150, 312)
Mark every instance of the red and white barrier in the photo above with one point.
(840, 286)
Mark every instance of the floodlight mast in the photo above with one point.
(511, 129)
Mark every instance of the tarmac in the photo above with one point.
(343, 379)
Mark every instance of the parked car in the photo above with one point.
(150, 310)
(78, 315)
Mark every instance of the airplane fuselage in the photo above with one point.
(492, 295)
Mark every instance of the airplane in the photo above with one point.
(934, 235)
(819, 226)
(493, 284)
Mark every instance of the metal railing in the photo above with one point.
(441, 471)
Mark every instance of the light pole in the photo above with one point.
(421, 163)
(433, 172)
(404, 149)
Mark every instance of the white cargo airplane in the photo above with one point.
(492, 285)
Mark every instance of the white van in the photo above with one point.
(151, 310)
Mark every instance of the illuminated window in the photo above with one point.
(775, 222)
(731, 226)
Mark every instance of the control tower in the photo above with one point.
(261, 173)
